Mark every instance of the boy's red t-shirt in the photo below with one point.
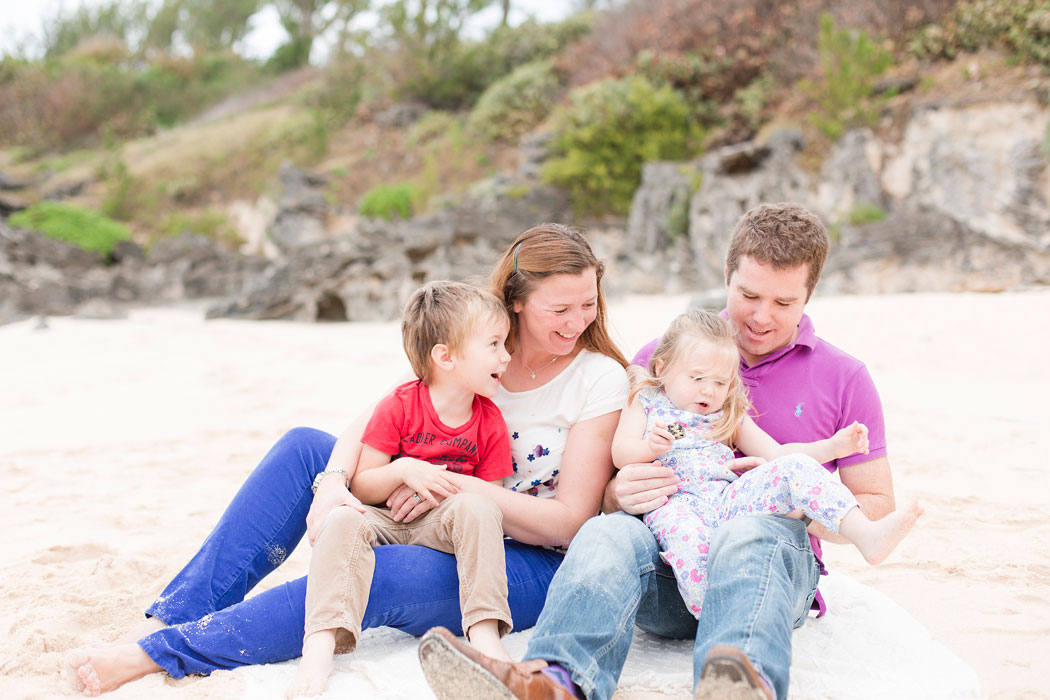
(405, 424)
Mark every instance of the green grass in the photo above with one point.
(83, 228)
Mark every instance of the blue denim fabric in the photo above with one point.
(762, 577)
(213, 627)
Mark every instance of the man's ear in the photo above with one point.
(725, 272)
(442, 357)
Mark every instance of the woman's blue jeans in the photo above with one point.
(762, 577)
(213, 627)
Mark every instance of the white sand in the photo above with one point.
(122, 441)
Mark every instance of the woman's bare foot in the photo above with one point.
(877, 538)
(484, 636)
(315, 666)
(142, 629)
(98, 670)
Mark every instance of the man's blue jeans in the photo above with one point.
(762, 577)
(214, 627)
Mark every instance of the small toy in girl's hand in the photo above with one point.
(677, 430)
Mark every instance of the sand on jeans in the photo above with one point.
(122, 441)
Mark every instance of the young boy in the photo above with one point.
(454, 336)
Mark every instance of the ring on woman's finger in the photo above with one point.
(416, 497)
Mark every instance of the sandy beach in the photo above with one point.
(122, 441)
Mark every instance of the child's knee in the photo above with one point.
(474, 507)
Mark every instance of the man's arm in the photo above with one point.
(872, 485)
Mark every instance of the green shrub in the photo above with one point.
(608, 131)
(516, 103)
(83, 228)
(453, 74)
(864, 213)
(389, 201)
(850, 61)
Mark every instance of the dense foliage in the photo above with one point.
(608, 131)
(513, 105)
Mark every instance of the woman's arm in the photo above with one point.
(585, 469)
(333, 491)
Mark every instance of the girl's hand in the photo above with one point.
(403, 505)
(850, 440)
(332, 493)
(660, 439)
(426, 479)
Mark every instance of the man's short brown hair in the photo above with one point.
(783, 235)
(443, 313)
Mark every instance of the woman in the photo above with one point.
(561, 397)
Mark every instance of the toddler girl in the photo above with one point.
(689, 411)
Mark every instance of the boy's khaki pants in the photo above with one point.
(341, 565)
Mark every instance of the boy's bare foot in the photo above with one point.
(94, 671)
(882, 536)
(142, 629)
(484, 636)
(315, 666)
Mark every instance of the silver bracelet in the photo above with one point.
(322, 475)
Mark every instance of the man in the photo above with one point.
(762, 571)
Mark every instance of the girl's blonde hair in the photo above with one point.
(539, 253)
(685, 332)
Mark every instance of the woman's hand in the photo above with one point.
(403, 505)
(332, 493)
(640, 488)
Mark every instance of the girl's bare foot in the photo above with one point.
(94, 671)
(879, 537)
(142, 629)
(315, 666)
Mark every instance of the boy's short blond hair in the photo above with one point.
(443, 313)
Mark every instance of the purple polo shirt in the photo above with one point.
(807, 391)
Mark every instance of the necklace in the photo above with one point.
(532, 372)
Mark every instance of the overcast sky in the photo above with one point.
(20, 19)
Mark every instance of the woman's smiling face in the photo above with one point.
(556, 312)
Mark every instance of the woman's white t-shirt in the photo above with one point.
(539, 419)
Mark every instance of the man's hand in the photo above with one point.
(739, 465)
(403, 505)
(640, 488)
(332, 493)
(850, 440)
(660, 439)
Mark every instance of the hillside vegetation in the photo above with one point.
(154, 121)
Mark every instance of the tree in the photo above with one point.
(214, 24)
(305, 20)
(64, 31)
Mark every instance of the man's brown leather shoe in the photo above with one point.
(728, 675)
(457, 671)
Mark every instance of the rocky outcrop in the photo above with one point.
(960, 202)
(42, 276)
(367, 272)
